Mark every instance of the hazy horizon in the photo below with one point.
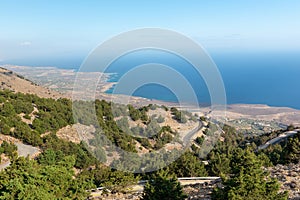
(64, 30)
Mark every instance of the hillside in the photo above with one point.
(73, 149)
(14, 82)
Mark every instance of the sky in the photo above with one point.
(69, 29)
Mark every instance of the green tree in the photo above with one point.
(219, 164)
(7, 109)
(134, 113)
(200, 140)
(50, 157)
(188, 165)
(291, 152)
(26, 179)
(248, 180)
(104, 176)
(178, 115)
(8, 148)
(163, 187)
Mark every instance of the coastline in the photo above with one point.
(63, 80)
(107, 86)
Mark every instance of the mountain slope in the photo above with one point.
(11, 81)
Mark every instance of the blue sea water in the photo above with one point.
(250, 78)
(271, 78)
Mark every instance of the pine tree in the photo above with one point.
(163, 187)
(248, 180)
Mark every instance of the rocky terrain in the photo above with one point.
(289, 177)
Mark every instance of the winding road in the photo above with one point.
(188, 137)
(279, 138)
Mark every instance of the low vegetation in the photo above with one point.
(52, 174)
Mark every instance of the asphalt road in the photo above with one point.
(188, 137)
(278, 139)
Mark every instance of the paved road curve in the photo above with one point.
(279, 139)
(188, 137)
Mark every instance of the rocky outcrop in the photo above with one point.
(289, 177)
(200, 191)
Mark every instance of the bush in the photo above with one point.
(8, 148)
(200, 140)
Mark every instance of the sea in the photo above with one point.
(249, 77)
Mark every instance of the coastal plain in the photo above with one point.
(60, 82)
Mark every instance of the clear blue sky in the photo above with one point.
(49, 28)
